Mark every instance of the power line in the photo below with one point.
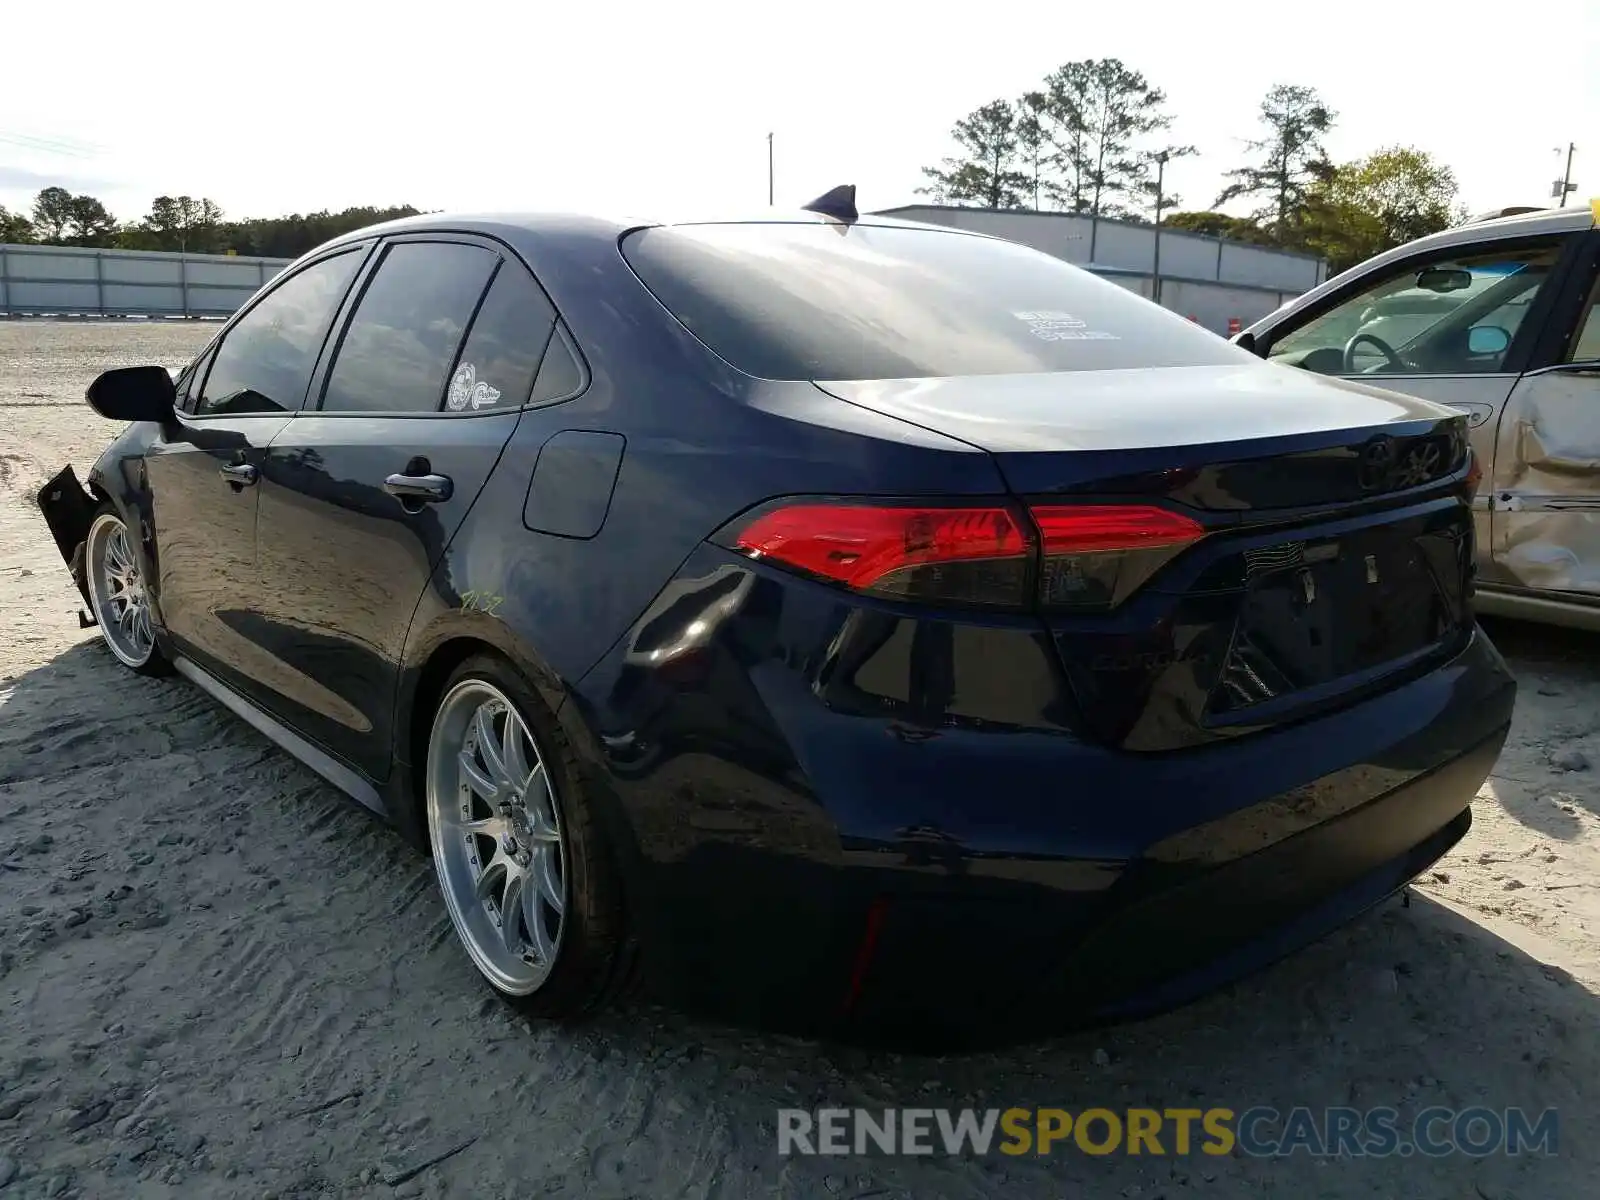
(47, 145)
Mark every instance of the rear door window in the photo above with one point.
(502, 353)
(400, 346)
(264, 363)
(560, 375)
(828, 301)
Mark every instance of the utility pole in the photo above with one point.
(1564, 186)
(769, 171)
(1155, 269)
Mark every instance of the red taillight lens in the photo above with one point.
(1083, 557)
(959, 555)
(1067, 529)
(1096, 556)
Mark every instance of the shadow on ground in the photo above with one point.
(219, 977)
(1548, 776)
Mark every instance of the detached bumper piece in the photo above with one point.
(68, 509)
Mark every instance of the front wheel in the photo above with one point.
(524, 871)
(118, 595)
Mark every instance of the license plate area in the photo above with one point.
(1316, 612)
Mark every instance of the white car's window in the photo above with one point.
(1455, 315)
(1586, 346)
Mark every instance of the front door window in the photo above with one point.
(1450, 315)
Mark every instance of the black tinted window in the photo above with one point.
(264, 363)
(502, 353)
(827, 301)
(401, 343)
(559, 374)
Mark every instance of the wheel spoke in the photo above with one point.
(516, 762)
(536, 799)
(541, 831)
(544, 875)
(496, 869)
(538, 936)
(142, 627)
(117, 552)
(485, 827)
(510, 910)
(488, 744)
(476, 779)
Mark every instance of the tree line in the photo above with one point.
(59, 218)
(1089, 138)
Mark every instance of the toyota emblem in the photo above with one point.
(1377, 459)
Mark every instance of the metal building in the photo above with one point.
(1216, 282)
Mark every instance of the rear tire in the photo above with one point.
(531, 886)
(118, 594)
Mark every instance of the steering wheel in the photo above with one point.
(1395, 363)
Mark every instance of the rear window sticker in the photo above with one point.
(1052, 326)
(468, 391)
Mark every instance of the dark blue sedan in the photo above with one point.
(840, 623)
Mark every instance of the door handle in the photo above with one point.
(239, 475)
(431, 489)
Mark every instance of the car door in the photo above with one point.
(362, 492)
(1454, 325)
(1544, 487)
(203, 470)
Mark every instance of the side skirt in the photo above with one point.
(324, 764)
(1546, 609)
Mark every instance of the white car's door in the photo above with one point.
(1544, 488)
(1467, 350)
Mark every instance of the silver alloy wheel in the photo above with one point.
(495, 823)
(117, 591)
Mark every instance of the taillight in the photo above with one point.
(1096, 556)
(956, 555)
(1076, 557)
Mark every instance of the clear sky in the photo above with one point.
(660, 108)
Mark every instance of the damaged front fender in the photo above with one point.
(68, 509)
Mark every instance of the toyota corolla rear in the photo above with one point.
(1186, 679)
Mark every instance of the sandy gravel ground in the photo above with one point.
(219, 978)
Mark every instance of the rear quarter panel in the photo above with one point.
(702, 443)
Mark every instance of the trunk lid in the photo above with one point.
(1338, 554)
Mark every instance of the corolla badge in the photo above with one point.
(467, 391)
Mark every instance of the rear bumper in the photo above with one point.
(819, 868)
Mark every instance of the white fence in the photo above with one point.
(74, 281)
(1219, 284)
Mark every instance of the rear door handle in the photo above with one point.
(239, 475)
(426, 488)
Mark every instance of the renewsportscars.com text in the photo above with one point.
(1257, 1132)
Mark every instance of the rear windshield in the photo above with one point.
(827, 301)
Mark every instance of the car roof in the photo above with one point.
(513, 226)
(1494, 228)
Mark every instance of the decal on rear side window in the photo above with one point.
(468, 391)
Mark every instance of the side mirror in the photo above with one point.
(1487, 339)
(134, 394)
